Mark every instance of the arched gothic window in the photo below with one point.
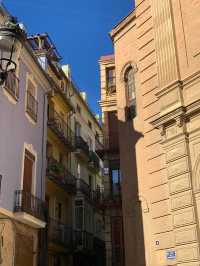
(130, 85)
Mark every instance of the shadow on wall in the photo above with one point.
(131, 203)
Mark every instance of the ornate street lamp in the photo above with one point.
(12, 37)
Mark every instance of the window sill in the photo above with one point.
(30, 118)
(11, 98)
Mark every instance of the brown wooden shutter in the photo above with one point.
(29, 161)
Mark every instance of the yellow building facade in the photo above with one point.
(74, 177)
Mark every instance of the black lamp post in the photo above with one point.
(12, 37)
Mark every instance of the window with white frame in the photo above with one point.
(31, 100)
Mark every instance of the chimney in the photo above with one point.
(67, 70)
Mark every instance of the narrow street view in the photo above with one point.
(104, 171)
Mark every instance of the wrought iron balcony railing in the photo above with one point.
(84, 188)
(95, 197)
(32, 106)
(26, 202)
(82, 145)
(107, 198)
(94, 161)
(83, 240)
(12, 85)
(99, 145)
(61, 129)
(107, 143)
(60, 233)
(60, 175)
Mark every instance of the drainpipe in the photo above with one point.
(43, 143)
(43, 233)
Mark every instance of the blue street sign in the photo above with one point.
(171, 255)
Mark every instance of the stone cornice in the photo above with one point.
(169, 87)
(122, 24)
(108, 103)
(193, 108)
(191, 78)
(180, 113)
(168, 118)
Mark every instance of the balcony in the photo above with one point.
(97, 197)
(63, 91)
(60, 233)
(99, 147)
(30, 209)
(84, 188)
(94, 162)
(58, 125)
(12, 85)
(82, 147)
(107, 198)
(32, 106)
(109, 143)
(84, 240)
(61, 176)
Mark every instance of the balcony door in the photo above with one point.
(29, 162)
(77, 129)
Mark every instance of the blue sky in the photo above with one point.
(80, 31)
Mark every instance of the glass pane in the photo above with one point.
(115, 176)
(130, 84)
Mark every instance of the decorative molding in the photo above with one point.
(122, 24)
(129, 64)
(164, 41)
(168, 118)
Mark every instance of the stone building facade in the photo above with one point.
(74, 177)
(157, 64)
(111, 155)
(23, 119)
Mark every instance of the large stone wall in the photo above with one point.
(160, 147)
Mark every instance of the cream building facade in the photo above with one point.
(159, 132)
(23, 117)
